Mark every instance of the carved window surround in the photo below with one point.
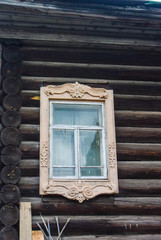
(74, 189)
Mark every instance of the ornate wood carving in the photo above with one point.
(76, 189)
(79, 190)
(44, 155)
(76, 90)
(112, 155)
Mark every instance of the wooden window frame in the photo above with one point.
(77, 189)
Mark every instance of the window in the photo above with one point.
(77, 142)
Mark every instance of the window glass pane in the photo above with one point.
(77, 114)
(62, 148)
(91, 172)
(63, 172)
(90, 148)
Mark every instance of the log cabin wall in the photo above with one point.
(10, 140)
(135, 81)
(113, 47)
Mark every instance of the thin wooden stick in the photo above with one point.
(63, 229)
(42, 230)
(57, 222)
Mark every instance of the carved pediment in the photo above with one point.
(76, 90)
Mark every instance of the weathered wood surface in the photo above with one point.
(11, 136)
(12, 102)
(101, 205)
(125, 151)
(116, 237)
(11, 70)
(126, 169)
(124, 72)
(123, 118)
(10, 194)
(9, 214)
(122, 102)
(35, 53)
(9, 233)
(10, 174)
(12, 54)
(12, 86)
(25, 221)
(29, 186)
(10, 155)
(118, 85)
(123, 134)
(106, 224)
(11, 118)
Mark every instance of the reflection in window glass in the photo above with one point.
(77, 142)
(77, 114)
(63, 148)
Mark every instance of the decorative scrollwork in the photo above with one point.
(112, 155)
(76, 90)
(44, 155)
(80, 191)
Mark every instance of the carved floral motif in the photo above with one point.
(112, 155)
(80, 191)
(44, 155)
(76, 90)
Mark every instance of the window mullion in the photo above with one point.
(76, 152)
(78, 155)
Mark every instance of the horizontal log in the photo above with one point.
(69, 40)
(125, 151)
(48, 69)
(30, 115)
(31, 98)
(100, 205)
(50, 54)
(138, 134)
(29, 149)
(29, 167)
(139, 170)
(81, 225)
(101, 27)
(122, 118)
(127, 187)
(30, 132)
(126, 170)
(116, 237)
(138, 151)
(119, 86)
(137, 118)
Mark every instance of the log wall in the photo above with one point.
(10, 137)
(135, 212)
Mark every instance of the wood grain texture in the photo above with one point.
(125, 151)
(127, 187)
(25, 221)
(9, 214)
(8, 233)
(101, 205)
(102, 224)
